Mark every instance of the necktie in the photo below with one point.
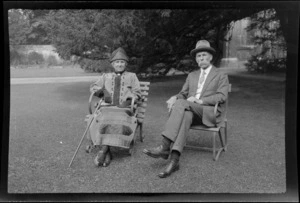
(201, 80)
(202, 77)
(117, 87)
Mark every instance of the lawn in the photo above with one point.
(47, 122)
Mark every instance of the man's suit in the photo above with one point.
(184, 113)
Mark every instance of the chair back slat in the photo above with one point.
(229, 89)
(144, 88)
(144, 105)
(142, 110)
(144, 93)
(144, 83)
(141, 106)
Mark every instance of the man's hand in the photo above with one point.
(195, 100)
(171, 102)
(192, 99)
(95, 89)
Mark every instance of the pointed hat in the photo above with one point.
(119, 54)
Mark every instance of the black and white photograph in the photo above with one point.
(150, 101)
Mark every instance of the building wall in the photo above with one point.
(240, 48)
(239, 37)
(45, 50)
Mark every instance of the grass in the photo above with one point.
(44, 115)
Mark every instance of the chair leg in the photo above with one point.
(225, 148)
(221, 139)
(141, 132)
(214, 146)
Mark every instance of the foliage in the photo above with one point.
(52, 61)
(18, 59)
(90, 65)
(264, 65)
(267, 34)
(19, 26)
(35, 58)
(15, 57)
(151, 36)
(38, 34)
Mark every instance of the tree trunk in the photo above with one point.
(289, 22)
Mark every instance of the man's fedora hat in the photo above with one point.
(119, 54)
(203, 45)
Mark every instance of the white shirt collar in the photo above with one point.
(207, 70)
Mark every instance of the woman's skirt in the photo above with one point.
(113, 126)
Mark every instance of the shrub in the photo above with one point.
(35, 58)
(18, 59)
(89, 65)
(52, 61)
(15, 58)
(264, 65)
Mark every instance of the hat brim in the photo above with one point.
(208, 49)
(112, 60)
(119, 55)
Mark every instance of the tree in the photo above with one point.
(18, 27)
(150, 36)
(38, 34)
(267, 34)
(18, 30)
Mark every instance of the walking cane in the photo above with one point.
(99, 103)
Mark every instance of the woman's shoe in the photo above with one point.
(89, 148)
(100, 158)
(108, 159)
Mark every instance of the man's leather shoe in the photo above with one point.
(158, 152)
(172, 167)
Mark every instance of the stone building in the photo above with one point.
(45, 50)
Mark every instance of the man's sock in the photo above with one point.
(166, 143)
(175, 155)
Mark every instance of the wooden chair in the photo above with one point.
(214, 131)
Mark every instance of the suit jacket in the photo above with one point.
(130, 85)
(215, 90)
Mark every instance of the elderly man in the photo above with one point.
(194, 104)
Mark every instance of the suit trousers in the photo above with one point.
(184, 113)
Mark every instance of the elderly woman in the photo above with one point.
(118, 88)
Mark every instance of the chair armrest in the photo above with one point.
(135, 104)
(132, 104)
(90, 101)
